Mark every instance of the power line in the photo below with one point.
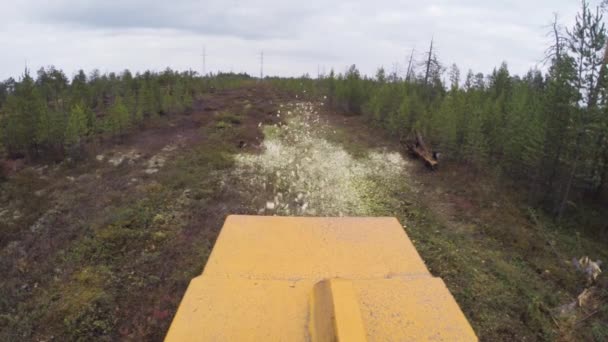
(262, 65)
(204, 61)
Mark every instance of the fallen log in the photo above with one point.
(418, 149)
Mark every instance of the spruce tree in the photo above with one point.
(475, 148)
(586, 41)
(22, 118)
(76, 130)
(118, 120)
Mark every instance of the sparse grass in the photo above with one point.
(228, 117)
(21, 203)
(494, 289)
(196, 169)
(271, 132)
(511, 270)
(227, 120)
(349, 142)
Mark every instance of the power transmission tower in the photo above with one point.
(204, 61)
(262, 65)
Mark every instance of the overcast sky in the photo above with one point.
(296, 37)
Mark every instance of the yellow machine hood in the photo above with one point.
(316, 279)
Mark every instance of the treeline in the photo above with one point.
(549, 130)
(51, 115)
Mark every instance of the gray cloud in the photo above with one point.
(297, 37)
(254, 20)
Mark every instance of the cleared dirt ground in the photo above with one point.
(104, 248)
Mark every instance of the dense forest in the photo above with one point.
(548, 130)
(52, 117)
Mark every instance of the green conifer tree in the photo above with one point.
(77, 127)
(118, 120)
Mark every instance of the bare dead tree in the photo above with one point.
(560, 41)
(408, 73)
(433, 69)
(428, 63)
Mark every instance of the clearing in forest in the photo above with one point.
(104, 249)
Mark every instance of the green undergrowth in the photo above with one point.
(271, 132)
(507, 293)
(125, 272)
(134, 245)
(227, 119)
(22, 206)
(349, 142)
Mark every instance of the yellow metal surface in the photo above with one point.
(303, 279)
(411, 309)
(266, 247)
(334, 313)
